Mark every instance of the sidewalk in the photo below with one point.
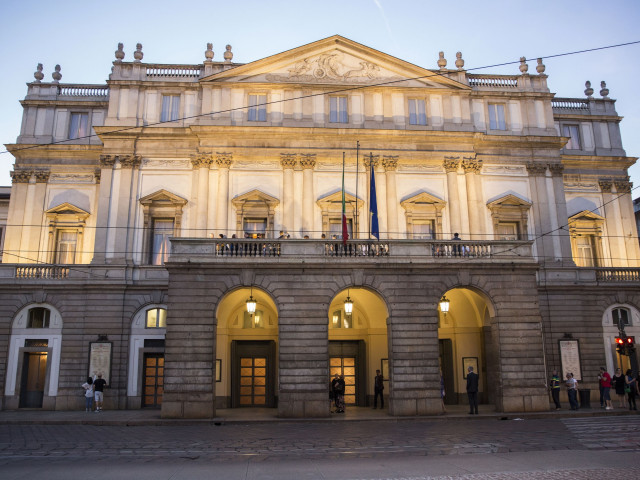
(151, 417)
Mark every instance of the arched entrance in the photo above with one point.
(358, 344)
(246, 351)
(464, 334)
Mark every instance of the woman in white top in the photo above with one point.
(88, 394)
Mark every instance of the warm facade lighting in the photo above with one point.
(444, 304)
(251, 304)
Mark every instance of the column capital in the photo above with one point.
(390, 162)
(21, 175)
(371, 160)
(451, 164)
(107, 161)
(202, 159)
(307, 160)
(288, 160)
(97, 174)
(42, 176)
(605, 184)
(556, 169)
(130, 161)
(536, 169)
(224, 159)
(471, 165)
(623, 185)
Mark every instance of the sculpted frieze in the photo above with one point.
(71, 178)
(165, 163)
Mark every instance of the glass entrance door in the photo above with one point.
(253, 373)
(34, 370)
(345, 366)
(153, 380)
(253, 381)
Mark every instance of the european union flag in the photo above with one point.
(373, 204)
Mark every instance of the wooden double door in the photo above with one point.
(253, 373)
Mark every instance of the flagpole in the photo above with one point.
(369, 215)
(357, 232)
(345, 232)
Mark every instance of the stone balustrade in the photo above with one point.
(69, 90)
(495, 81)
(186, 72)
(570, 104)
(46, 272)
(618, 274)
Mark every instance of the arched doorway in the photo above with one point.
(358, 344)
(246, 351)
(464, 334)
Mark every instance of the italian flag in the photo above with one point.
(345, 232)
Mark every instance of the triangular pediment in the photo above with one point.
(335, 61)
(67, 209)
(163, 197)
(422, 199)
(509, 200)
(333, 201)
(256, 197)
(585, 215)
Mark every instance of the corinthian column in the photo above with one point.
(201, 163)
(625, 205)
(307, 162)
(390, 164)
(224, 161)
(288, 162)
(471, 168)
(451, 165)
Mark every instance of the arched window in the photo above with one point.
(39, 317)
(621, 317)
(156, 318)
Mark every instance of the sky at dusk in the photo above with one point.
(82, 38)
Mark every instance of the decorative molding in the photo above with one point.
(42, 176)
(451, 164)
(224, 159)
(169, 163)
(371, 159)
(254, 164)
(471, 165)
(556, 169)
(107, 161)
(581, 186)
(130, 161)
(623, 186)
(202, 160)
(536, 169)
(513, 170)
(421, 167)
(605, 185)
(390, 162)
(288, 160)
(72, 177)
(97, 173)
(307, 160)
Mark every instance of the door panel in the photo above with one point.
(153, 380)
(348, 358)
(252, 373)
(34, 371)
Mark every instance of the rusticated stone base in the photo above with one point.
(303, 405)
(188, 408)
(526, 403)
(407, 406)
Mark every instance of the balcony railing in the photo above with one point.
(189, 72)
(570, 104)
(495, 81)
(46, 272)
(618, 274)
(69, 90)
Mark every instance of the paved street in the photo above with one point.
(577, 448)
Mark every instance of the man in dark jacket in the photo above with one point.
(472, 391)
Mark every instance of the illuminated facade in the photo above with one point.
(114, 261)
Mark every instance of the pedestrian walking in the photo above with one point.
(554, 386)
(572, 391)
(88, 394)
(631, 388)
(617, 382)
(604, 380)
(378, 388)
(472, 391)
(98, 386)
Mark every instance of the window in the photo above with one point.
(424, 229)
(170, 108)
(423, 213)
(162, 230)
(338, 110)
(79, 125)
(39, 318)
(417, 112)
(335, 227)
(156, 318)
(620, 315)
(585, 252)
(340, 319)
(66, 247)
(586, 229)
(507, 231)
(572, 132)
(255, 227)
(496, 117)
(510, 216)
(253, 321)
(257, 108)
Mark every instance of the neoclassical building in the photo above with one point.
(178, 229)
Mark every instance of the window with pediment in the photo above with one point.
(586, 230)
(255, 214)
(331, 208)
(423, 213)
(66, 224)
(162, 219)
(510, 216)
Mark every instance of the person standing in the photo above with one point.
(88, 394)
(572, 391)
(98, 386)
(378, 387)
(337, 385)
(472, 390)
(618, 384)
(605, 389)
(631, 388)
(554, 386)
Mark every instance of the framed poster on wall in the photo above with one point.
(100, 360)
(469, 362)
(384, 368)
(570, 358)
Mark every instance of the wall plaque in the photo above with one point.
(570, 358)
(100, 360)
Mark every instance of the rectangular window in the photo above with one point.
(335, 228)
(255, 227)
(423, 229)
(162, 231)
(338, 110)
(417, 112)
(253, 321)
(586, 257)
(572, 132)
(507, 231)
(79, 125)
(39, 318)
(257, 108)
(66, 247)
(496, 117)
(620, 315)
(170, 108)
(157, 318)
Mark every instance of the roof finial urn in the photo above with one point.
(459, 61)
(228, 54)
(604, 91)
(208, 54)
(57, 76)
(442, 62)
(138, 53)
(120, 53)
(38, 75)
(524, 68)
(540, 68)
(588, 91)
